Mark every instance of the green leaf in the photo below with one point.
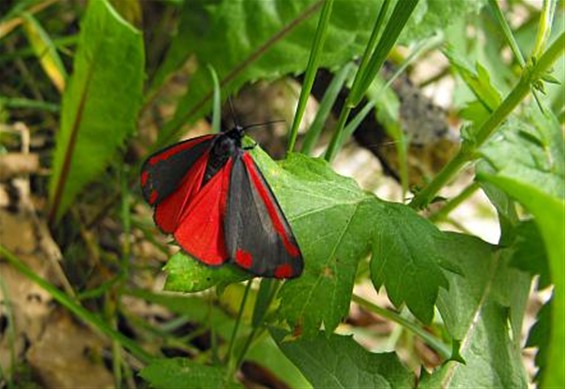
(538, 337)
(405, 260)
(45, 50)
(337, 361)
(266, 353)
(478, 81)
(431, 16)
(186, 274)
(483, 311)
(400, 16)
(530, 254)
(527, 162)
(184, 373)
(529, 152)
(100, 103)
(505, 208)
(276, 40)
(335, 223)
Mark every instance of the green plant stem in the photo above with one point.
(544, 29)
(258, 320)
(400, 15)
(311, 69)
(324, 109)
(231, 366)
(454, 203)
(88, 317)
(356, 88)
(337, 138)
(495, 7)
(216, 101)
(365, 77)
(469, 150)
(438, 345)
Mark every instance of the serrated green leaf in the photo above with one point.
(100, 103)
(538, 337)
(337, 361)
(482, 310)
(334, 222)
(405, 260)
(183, 373)
(478, 81)
(327, 214)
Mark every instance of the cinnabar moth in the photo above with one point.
(209, 193)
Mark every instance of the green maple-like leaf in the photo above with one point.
(337, 361)
(336, 225)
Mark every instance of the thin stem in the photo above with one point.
(88, 317)
(230, 362)
(369, 49)
(274, 289)
(216, 101)
(468, 151)
(438, 345)
(495, 7)
(324, 109)
(311, 69)
(337, 137)
(454, 203)
(544, 28)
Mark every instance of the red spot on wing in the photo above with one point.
(201, 231)
(272, 207)
(153, 197)
(171, 210)
(283, 271)
(243, 258)
(167, 153)
(144, 177)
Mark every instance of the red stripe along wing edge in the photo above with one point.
(258, 236)
(171, 177)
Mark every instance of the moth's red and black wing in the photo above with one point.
(171, 177)
(201, 231)
(257, 234)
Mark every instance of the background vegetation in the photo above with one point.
(89, 89)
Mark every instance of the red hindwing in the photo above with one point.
(200, 233)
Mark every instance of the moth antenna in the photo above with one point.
(263, 124)
(233, 115)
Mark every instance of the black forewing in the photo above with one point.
(163, 171)
(258, 236)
